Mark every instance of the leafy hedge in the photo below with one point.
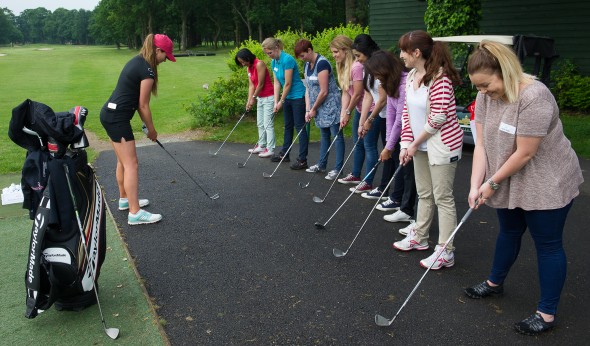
(571, 90)
(226, 98)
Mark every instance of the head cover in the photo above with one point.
(165, 43)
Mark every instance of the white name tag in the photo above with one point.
(276, 69)
(112, 105)
(507, 128)
(249, 75)
(313, 78)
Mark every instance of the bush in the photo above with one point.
(571, 90)
(226, 98)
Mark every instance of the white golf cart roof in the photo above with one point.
(504, 39)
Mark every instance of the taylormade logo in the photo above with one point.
(39, 220)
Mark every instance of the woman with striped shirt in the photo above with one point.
(432, 138)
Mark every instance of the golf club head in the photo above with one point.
(214, 197)
(241, 165)
(302, 185)
(319, 225)
(212, 154)
(317, 199)
(113, 333)
(266, 175)
(382, 321)
(338, 252)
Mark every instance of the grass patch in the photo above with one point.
(66, 76)
(577, 130)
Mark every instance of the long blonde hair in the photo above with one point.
(343, 43)
(272, 43)
(148, 52)
(495, 58)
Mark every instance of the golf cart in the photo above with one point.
(542, 48)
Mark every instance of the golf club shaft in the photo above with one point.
(232, 130)
(353, 192)
(289, 149)
(467, 214)
(340, 171)
(373, 209)
(185, 171)
(86, 252)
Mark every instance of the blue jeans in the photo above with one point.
(366, 148)
(325, 141)
(546, 227)
(294, 114)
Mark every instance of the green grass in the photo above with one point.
(577, 130)
(66, 76)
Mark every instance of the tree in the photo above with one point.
(31, 22)
(8, 31)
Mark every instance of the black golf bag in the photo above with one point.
(59, 270)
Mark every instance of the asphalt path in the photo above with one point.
(251, 269)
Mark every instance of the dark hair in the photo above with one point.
(302, 46)
(365, 44)
(435, 53)
(388, 68)
(246, 55)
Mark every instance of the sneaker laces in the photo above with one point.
(375, 191)
(536, 322)
(388, 202)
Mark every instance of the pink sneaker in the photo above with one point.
(266, 153)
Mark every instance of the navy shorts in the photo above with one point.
(117, 124)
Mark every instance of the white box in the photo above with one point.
(12, 194)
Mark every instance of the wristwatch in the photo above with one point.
(493, 185)
(347, 112)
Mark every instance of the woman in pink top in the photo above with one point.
(263, 94)
(525, 167)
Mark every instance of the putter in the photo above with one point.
(323, 226)
(303, 186)
(242, 165)
(113, 333)
(266, 175)
(385, 322)
(232, 130)
(316, 199)
(213, 197)
(340, 253)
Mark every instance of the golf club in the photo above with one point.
(338, 252)
(323, 226)
(303, 186)
(242, 165)
(232, 130)
(113, 333)
(316, 199)
(383, 321)
(214, 197)
(266, 175)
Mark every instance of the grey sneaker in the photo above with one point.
(333, 174)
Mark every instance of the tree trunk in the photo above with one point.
(183, 32)
(260, 34)
(350, 9)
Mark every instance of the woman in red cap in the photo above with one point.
(138, 79)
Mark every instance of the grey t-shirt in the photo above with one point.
(550, 180)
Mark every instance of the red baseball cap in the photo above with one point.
(165, 43)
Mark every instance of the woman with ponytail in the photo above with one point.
(137, 82)
(432, 138)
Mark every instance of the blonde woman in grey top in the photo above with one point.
(525, 167)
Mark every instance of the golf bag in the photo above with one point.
(58, 268)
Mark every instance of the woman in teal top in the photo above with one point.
(292, 100)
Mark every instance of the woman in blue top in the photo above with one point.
(292, 100)
(323, 102)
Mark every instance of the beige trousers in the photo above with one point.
(434, 185)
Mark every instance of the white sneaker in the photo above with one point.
(266, 153)
(444, 259)
(398, 216)
(143, 217)
(315, 169)
(408, 228)
(333, 174)
(256, 150)
(408, 243)
(124, 203)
